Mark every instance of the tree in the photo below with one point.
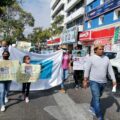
(57, 28)
(39, 35)
(13, 21)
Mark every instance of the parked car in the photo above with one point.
(115, 61)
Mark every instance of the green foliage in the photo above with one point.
(56, 27)
(39, 35)
(13, 21)
(6, 2)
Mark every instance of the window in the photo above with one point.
(89, 24)
(90, 7)
(68, 1)
(117, 14)
(102, 2)
(101, 20)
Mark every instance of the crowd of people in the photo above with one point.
(96, 68)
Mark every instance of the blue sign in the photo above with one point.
(108, 6)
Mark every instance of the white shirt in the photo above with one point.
(97, 67)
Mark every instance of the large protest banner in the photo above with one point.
(28, 73)
(8, 69)
(51, 70)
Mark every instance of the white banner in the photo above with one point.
(51, 71)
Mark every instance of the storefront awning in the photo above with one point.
(102, 36)
(55, 41)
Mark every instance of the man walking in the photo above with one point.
(96, 69)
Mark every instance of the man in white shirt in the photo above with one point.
(96, 69)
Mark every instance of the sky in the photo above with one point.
(40, 10)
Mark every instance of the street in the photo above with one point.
(53, 105)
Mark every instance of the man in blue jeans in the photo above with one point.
(96, 70)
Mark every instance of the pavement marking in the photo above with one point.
(67, 109)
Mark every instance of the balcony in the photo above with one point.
(54, 3)
(74, 15)
(71, 4)
(58, 7)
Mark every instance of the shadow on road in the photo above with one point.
(108, 102)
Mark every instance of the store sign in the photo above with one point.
(108, 6)
(117, 35)
(85, 35)
(55, 41)
(103, 34)
(89, 1)
(69, 35)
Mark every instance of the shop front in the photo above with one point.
(86, 39)
(104, 37)
(54, 43)
(116, 42)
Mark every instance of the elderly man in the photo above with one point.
(97, 67)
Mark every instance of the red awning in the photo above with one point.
(95, 35)
(54, 41)
(103, 34)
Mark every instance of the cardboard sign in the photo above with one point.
(8, 70)
(28, 73)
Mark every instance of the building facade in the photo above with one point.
(57, 8)
(75, 10)
(102, 22)
(102, 14)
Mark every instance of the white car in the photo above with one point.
(115, 61)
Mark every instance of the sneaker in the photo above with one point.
(2, 108)
(27, 100)
(92, 111)
(6, 100)
(62, 90)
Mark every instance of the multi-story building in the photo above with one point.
(101, 22)
(75, 11)
(57, 8)
(74, 17)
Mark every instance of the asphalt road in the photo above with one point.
(53, 105)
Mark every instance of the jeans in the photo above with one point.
(7, 87)
(64, 77)
(2, 93)
(97, 91)
(26, 89)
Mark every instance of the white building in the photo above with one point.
(75, 10)
(57, 8)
